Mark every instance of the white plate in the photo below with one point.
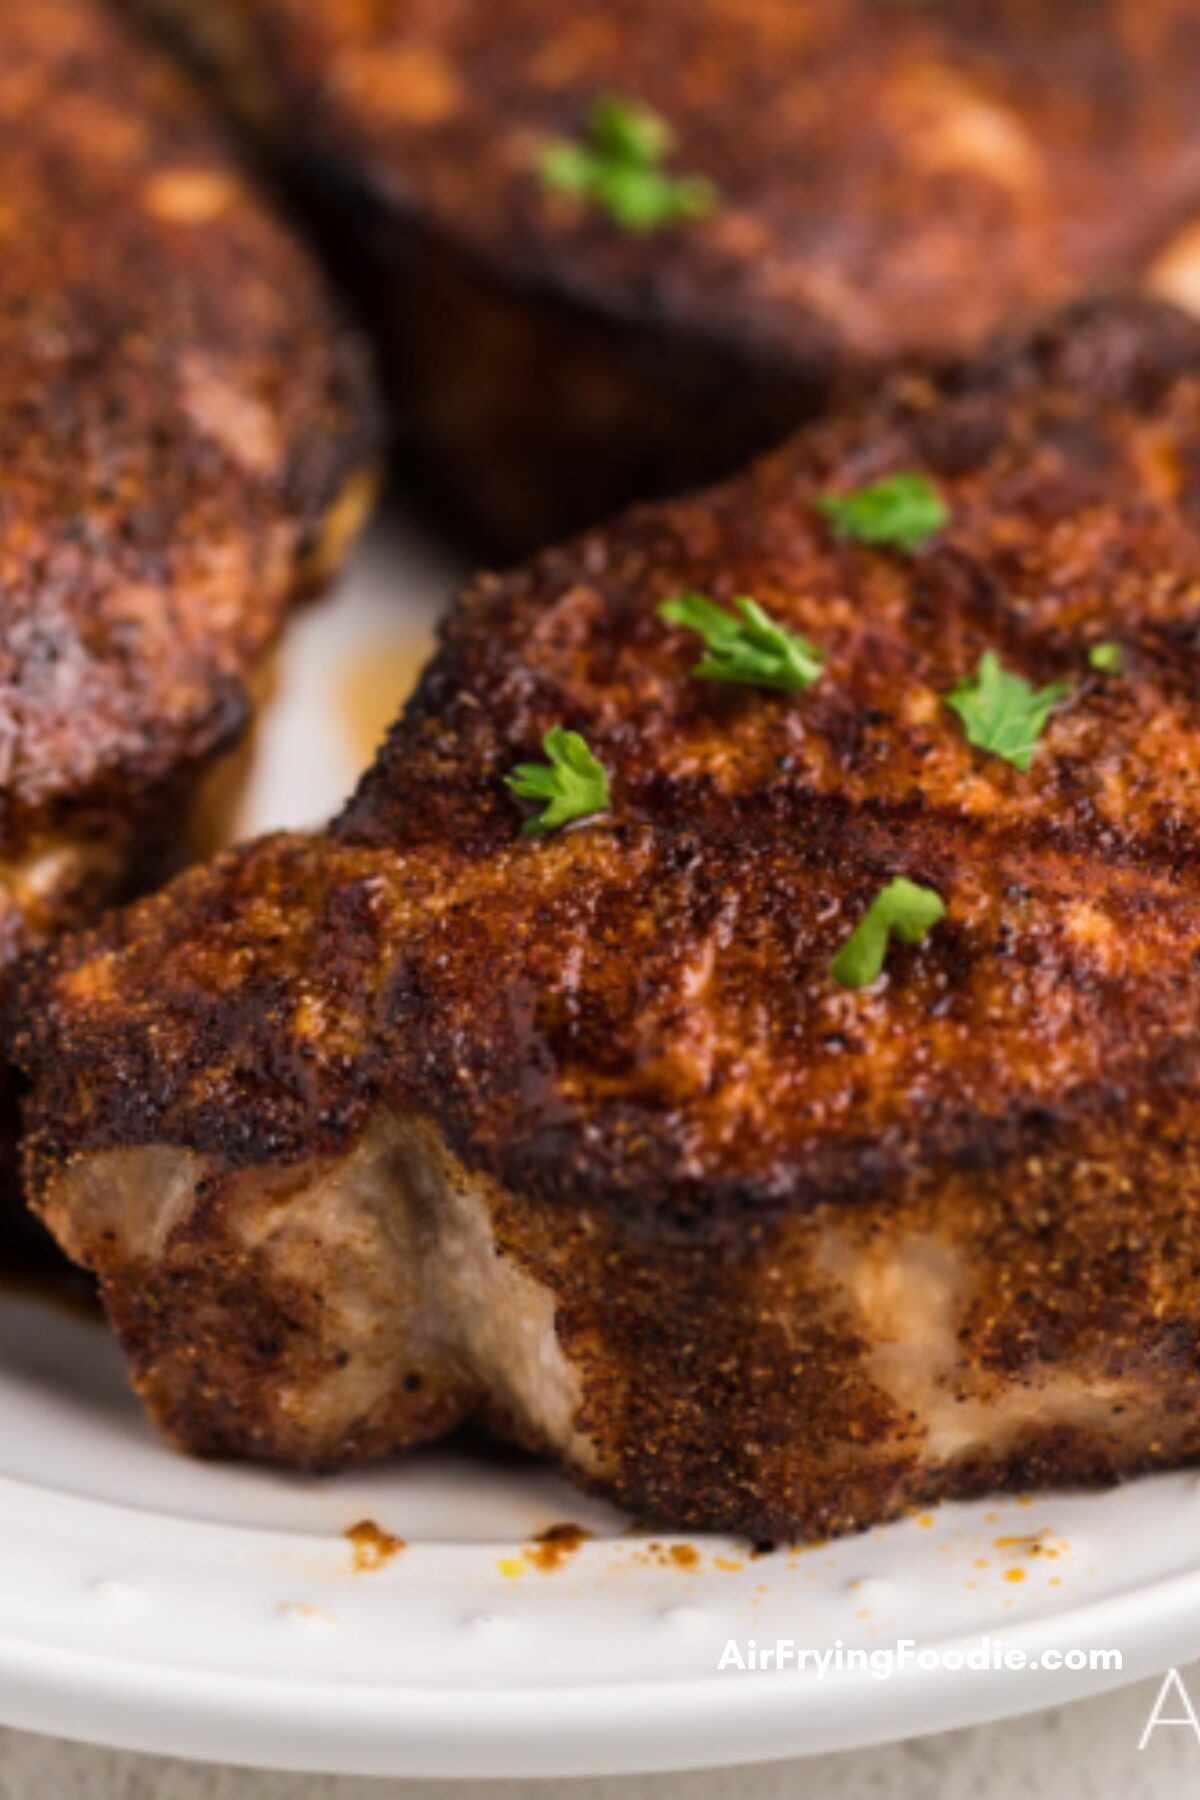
(218, 1612)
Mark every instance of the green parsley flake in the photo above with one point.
(629, 132)
(904, 910)
(750, 649)
(573, 784)
(1001, 712)
(903, 511)
(1107, 658)
(619, 168)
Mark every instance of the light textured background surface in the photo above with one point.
(1082, 1751)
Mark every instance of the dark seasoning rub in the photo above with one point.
(185, 439)
(182, 408)
(793, 1258)
(888, 182)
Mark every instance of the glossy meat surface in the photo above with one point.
(423, 1119)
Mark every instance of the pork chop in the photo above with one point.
(582, 1134)
(185, 437)
(887, 182)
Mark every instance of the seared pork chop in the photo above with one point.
(184, 438)
(888, 182)
(426, 1119)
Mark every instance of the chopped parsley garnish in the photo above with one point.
(1107, 658)
(904, 910)
(745, 646)
(902, 510)
(1001, 712)
(572, 783)
(619, 167)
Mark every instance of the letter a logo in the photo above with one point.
(1171, 1681)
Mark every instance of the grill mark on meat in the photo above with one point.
(583, 1135)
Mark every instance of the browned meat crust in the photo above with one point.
(184, 439)
(185, 434)
(421, 1119)
(895, 180)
